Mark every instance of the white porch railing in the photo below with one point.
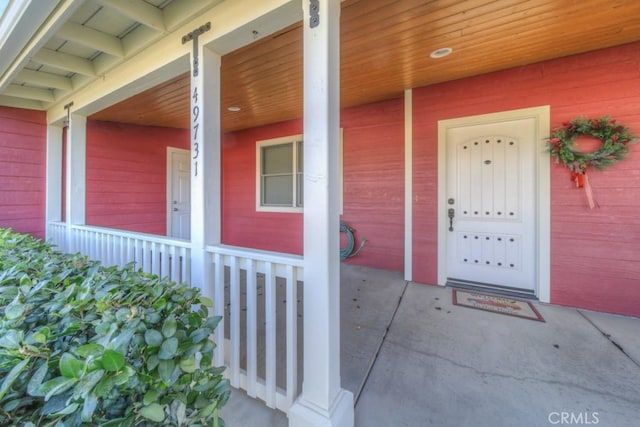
(259, 295)
(166, 257)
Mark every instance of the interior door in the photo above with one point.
(491, 204)
(180, 194)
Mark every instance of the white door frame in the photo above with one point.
(169, 192)
(543, 189)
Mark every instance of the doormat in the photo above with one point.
(497, 304)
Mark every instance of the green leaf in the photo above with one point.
(150, 397)
(169, 327)
(11, 339)
(153, 412)
(207, 302)
(56, 386)
(70, 367)
(104, 387)
(165, 370)
(188, 365)
(87, 383)
(14, 310)
(153, 337)
(88, 408)
(168, 349)
(35, 383)
(112, 360)
(91, 349)
(12, 376)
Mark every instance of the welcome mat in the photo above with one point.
(497, 304)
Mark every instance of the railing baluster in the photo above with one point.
(218, 308)
(252, 328)
(292, 334)
(270, 334)
(234, 321)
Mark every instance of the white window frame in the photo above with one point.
(293, 139)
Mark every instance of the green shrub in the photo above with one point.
(81, 344)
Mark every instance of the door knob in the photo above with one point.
(175, 209)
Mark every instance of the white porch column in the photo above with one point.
(76, 184)
(205, 166)
(323, 402)
(53, 177)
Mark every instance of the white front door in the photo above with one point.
(179, 193)
(491, 204)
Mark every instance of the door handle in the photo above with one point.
(175, 209)
(451, 213)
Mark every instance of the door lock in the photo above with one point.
(451, 213)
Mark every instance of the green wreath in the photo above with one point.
(615, 143)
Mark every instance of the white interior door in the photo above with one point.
(491, 204)
(179, 194)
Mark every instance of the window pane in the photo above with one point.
(300, 157)
(300, 190)
(277, 190)
(277, 159)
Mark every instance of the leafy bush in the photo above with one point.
(81, 344)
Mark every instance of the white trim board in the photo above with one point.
(543, 191)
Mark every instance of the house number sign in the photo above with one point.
(195, 111)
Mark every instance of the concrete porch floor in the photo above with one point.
(412, 358)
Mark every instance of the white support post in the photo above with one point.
(76, 184)
(205, 166)
(53, 198)
(323, 402)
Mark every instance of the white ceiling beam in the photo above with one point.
(139, 11)
(64, 61)
(46, 80)
(29, 104)
(33, 93)
(62, 10)
(91, 38)
(179, 12)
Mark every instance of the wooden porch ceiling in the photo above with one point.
(385, 47)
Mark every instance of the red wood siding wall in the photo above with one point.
(22, 170)
(126, 175)
(594, 253)
(373, 141)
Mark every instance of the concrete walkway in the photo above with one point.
(412, 358)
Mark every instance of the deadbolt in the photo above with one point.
(451, 201)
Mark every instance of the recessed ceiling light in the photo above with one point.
(234, 109)
(441, 53)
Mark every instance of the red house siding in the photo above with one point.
(594, 253)
(126, 175)
(22, 170)
(373, 186)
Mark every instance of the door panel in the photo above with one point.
(491, 187)
(180, 197)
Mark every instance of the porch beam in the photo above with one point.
(178, 12)
(64, 61)
(140, 11)
(91, 38)
(45, 80)
(35, 93)
(323, 401)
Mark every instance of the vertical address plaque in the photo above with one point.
(195, 111)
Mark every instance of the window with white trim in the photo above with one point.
(279, 186)
(280, 174)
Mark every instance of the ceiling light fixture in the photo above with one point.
(441, 53)
(234, 109)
